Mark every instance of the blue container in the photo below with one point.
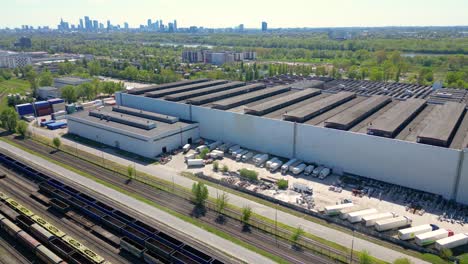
(25, 109)
(56, 125)
(45, 123)
(41, 104)
(55, 101)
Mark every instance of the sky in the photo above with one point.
(223, 13)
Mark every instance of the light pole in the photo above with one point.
(276, 224)
(352, 248)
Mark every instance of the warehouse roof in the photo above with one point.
(158, 87)
(183, 88)
(203, 99)
(250, 97)
(162, 128)
(203, 91)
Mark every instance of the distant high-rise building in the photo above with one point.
(24, 43)
(81, 24)
(101, 26)
(109, 25)
(241, 27)
(156, 25)
(149, 23)
(171, 27)
(175, 25)
(264, 26)
(95, 25)
(88, 23)
(161, 25)
(126, 25)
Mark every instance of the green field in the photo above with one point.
(12, 86)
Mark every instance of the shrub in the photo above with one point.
(204, 152)
(249, 174)
(215, 166)
(282, 184)
(224, 169)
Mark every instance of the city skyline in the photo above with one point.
(360, 13)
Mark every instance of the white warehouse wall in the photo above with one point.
(418, 166)
(462, 193)
(154, 105)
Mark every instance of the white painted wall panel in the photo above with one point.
(418, 166)
(154, 105)
(462, 193)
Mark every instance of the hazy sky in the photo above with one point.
(223, 13)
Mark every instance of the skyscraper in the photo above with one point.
(95, 25)
(126, 25)
(88, 23)
(264, 26)
(109, 25)
(149, 23)
(175, 25)
(81, 24)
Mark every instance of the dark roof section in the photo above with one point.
(396, 118)
(208, 98)
(272, 105)
(204, 91)
(307, 112)
(124, 119)
(184, 88)
(145, 114)
(355, 114)
(165, 86)
(444, 120)
(250, 97)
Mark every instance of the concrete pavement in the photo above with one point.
(170, 174)
(153, 212)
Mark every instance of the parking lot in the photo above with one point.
(422, 208)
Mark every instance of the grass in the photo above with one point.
(12, 86)
(149, 202)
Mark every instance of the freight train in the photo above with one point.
(140, 239)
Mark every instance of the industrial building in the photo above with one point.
(73, 81)
(149, 134)
(216, 57)
(388, 132)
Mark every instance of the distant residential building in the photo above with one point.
(88, 23)
(24, 43)
(216, 58)
(264, 26)
(73, 81)
(126, 25)
(14, 60)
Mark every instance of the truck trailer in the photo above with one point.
(285, 167)
(262, 158)
(336, 209)
(392, 223)
(195, 162)
(308, 170)
(345, 212)
(410, 233)
(431, 237)
(370, 220)
(452, 242)
(296, 170)
(247, 157)
(355, 217)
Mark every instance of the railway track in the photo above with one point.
(17, 188)
(256, 237)
(9, 252)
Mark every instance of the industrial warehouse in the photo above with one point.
(398, 133)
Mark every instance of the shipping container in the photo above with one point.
(452, 241)
(410, 233)
(336, 209)
(431, 237)
(393, 223)
(56, 125)
(24, 109)
(345, 212)
(195, 163)
(48, 256)
(55, 101)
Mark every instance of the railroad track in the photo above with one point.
(15, 187)
(233, 227)
(9, 252)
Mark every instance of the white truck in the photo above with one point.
(345, 212)
(186, 148)
(247, 157)
(429, 238)
(199, 149)
(233, 148)
(296, 170)
(370, 220)
(268, 163)
(214, 145)
(410, 233)
(336, 209)
(452, 242)
(239, 155)
(308, 170)
(195, 163)
(235, 152)
(392, 223)
(225, 146)
(262, 158)
(325, 172)
(317, 170)
(285, 167)
(189, 156)
(302, 188)
(276, 165)
(216, 154)
(355, 217)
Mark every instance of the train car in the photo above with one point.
(134, 234)
(27, 240)
(132, 247)
(179, 257)
(105, 236)
(196, 254)
(61, 195)
(112, 223)
(104, 207)
(2, 217)
(74, 202)
(59, 205)
(123, 217)
(47, 256)
(40, 198)
(216, 261)
(169, 240)
(3, 196)
(51, 228)
(95, 258)
(61, 248)
(93, 213)
(86, 198)
(41, 177)
(24, 222)
(9, 227)
(78, 258)
(18, 207)
(160, 248)
(144, 228)
(46, 188)
(70, 190)
(153, 258)
(40, 233)
(55, 183)
(8, 212)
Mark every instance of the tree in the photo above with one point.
(251, 175)
(94, 68)
(446, 253)
(46, 79)
(365, 257)
(31, 76)
(203, 153)
(56, 141)
(87, 90)
(402, 261)
(282, 184)
(246, 214)
(297, 234)
(130, 171)
(22, 128)
(200, 193)
(215, 166)
(225, 168)
(221, 202)
(69, 93)
(9, 118)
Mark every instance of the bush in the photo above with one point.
(203, 153)
(249, 174)
(365, 257)
(22, 128)
(224, 169)
(283, 184)
(402, 261)
(56, 141)
(446, 253)
(215, 166)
